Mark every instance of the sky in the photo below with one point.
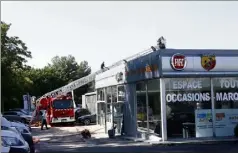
(111, 31)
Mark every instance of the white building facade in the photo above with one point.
(171, 93)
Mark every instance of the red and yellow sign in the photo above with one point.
(208, 62)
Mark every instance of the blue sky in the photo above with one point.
(110, 31)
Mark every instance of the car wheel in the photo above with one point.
(86, 122)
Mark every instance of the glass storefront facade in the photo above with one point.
(175, 94)
(226, 105)
(110, 101)
(185, 98)
(195, 107)
(101, 107)
(201, 107)
(148, 107)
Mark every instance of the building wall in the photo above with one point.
(108, 78)
(224, 60)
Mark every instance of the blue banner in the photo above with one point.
(145, 67)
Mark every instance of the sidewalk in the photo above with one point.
(100, 138)
(189, 141)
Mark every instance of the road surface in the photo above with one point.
(68, 139)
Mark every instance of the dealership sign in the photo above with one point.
(178, 62)
(187, 94)
(208, 62)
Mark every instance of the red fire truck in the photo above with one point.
(59, 109)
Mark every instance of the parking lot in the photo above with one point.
(68, 138)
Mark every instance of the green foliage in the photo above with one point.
(67, 69)
(18, 78)
(14, 54)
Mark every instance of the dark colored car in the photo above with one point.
(81, 112)
(29, 139)
(87, 119)
(17, 116)
(18, 150)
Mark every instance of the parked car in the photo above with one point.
(5, 149)
(24, 111)
(14, 141)
(81, 112)
(87, 119)
(7, 123)
(17, 116)
(20, 129)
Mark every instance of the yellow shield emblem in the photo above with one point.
(208, 62)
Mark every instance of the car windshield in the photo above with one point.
(62, 104)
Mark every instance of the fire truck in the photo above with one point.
(59, 109)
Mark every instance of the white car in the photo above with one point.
(20, 126)
(5, 149)
(14, 140)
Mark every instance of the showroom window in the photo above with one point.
(121, 93)
(100, 94)
(226, 105)
(188, 107)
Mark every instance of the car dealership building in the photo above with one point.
(171, 93)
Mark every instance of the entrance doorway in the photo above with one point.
(148, 108)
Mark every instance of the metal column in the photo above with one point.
(105, 114)
(213, 110)
(147, 110)
(163, 109)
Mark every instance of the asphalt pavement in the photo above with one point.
(68, 139)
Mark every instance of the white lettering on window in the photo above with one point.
(187, 84)
(227, 96)
(188, 97)
(229, 83)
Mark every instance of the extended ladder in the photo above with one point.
(91, 77)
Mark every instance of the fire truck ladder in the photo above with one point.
(91, 77)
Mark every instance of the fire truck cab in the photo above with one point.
(59, 109)
(62, 110)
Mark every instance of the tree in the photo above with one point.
(69, 70)
(44, 80)
(14, 54)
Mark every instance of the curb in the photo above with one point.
(65, 141)
(208, 142)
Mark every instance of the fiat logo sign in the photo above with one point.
(178, 62)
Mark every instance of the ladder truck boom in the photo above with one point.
(91, 77)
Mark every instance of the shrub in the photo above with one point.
(86, 134)
(236, 131)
